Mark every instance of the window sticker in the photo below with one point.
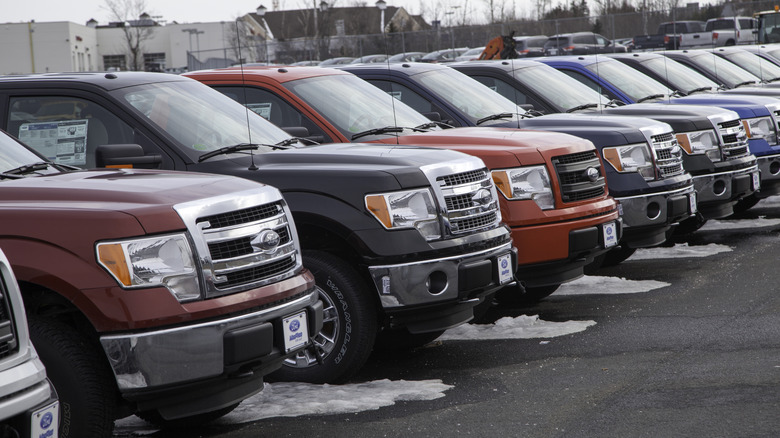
(263, 109)
(63, 142)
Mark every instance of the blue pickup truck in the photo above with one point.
(665, 77)
(721, 154)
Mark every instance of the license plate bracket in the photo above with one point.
(296, 331)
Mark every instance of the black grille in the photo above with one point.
(473, 223)
(243, 216)
(257, 273)
(730, 138)
(662, 137)
(736, 152)
(463, 178)
(664, 154)
(572, 171)
(459, 202)
(242, 246)
(671, 169)
(729, 124)
(8, 342)
(576, 158)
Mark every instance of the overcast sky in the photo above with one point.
(187, 11)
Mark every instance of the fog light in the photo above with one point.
(437, 282)
(719, 187)
(774, 167)
(653, 210)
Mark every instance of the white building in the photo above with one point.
(35, 47)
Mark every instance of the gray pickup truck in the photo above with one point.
(673, 35)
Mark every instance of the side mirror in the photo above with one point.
(434, 116)
(125, 155)
(296, 131)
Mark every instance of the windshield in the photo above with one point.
(678, 76)
(633, 83)
(473, 99)
(559, 88)
(353, 105)
(13, 155)
(726, 72)
(754, 64)
(199, 118)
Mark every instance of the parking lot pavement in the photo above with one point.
(681, 341)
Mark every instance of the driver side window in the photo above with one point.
(412, 98)
(64, 129)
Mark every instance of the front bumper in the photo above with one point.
(718, 192)
(201, 367)
(647, 218)
(769, 168)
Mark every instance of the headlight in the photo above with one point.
(406, 209)
(700, 142)
(532, 182)
(761, 127)
(631, 158)
(154, 261)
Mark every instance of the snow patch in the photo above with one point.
(760, 222)
(593, 285)
(293, 399)
(679, 251)
(521, 327)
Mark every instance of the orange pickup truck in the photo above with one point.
(555, 197)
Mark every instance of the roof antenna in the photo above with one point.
(389, 81)
(252, 165)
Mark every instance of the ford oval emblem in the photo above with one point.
(295, 325)
(267, 240)
(593, 174)
(482, 197)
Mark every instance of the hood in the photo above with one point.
(681, 117)
(747, 106)
(146, 195)
(602, 130)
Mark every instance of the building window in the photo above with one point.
(114, 62)
(154, 61)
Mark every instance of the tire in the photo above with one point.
(745, 204)
(616, 256)
(515, 296)
(155, 418)
(349, 328)
(393, 340)
(84, 382)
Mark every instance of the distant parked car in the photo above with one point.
(306, 63)
(580, 43)
(444, 55)
(406, 57)
(336, 61)
(530, 46)
(470, 54)
(370, 59)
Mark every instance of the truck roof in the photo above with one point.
(105, 80)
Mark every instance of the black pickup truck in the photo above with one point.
(403, 240)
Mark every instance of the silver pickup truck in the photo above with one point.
(28, 402)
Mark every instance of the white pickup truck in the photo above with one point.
(28, 402)
(729, 31)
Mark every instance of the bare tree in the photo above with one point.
(136, 30)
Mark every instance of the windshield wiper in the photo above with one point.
(495, 117)
(582, 107)
(652, 96)
(744, 83)
(231, 149)
(699, 90)
(28, 168)
(614, 103)
(377, 131)
(426, 126)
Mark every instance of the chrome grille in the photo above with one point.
(573, 179)
(239, 256)
(470, 201)
(735, 144)
(8, 341)
(668, 156)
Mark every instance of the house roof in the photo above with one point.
(358, 20)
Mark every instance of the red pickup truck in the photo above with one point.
(554, 192)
